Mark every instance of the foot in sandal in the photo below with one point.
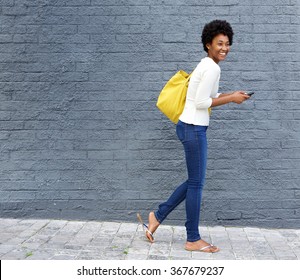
(201, 246)
(152, 226)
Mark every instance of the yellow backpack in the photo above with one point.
(171, 99)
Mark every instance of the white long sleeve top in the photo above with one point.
(203, 86)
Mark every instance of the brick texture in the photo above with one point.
(81, 137)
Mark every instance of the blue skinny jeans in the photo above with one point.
(193, 138)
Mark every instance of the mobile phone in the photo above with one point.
(249, 93)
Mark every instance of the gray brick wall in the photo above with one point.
(80, 135)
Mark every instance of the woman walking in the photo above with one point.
(202, 94)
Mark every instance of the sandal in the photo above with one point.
(204, 248)
(145, 227)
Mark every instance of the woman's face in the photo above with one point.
(218, 48)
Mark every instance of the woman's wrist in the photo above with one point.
(227, 95)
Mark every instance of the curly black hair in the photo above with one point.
(214, 28)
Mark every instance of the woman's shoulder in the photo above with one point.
(207, 64)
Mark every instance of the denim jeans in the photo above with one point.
(193, 138)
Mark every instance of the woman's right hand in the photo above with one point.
(239, 96)
(235, 96)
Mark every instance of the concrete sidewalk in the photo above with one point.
(90, 240)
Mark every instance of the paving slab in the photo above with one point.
(92, 240)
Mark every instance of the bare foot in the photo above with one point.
(202, 246)
(152, 226)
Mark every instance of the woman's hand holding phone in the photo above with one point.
(239, 97)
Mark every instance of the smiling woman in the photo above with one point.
(213, 29)
(218, 48)
(191, 129)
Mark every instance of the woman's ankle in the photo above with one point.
(153, 222)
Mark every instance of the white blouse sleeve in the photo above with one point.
(203, 98)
